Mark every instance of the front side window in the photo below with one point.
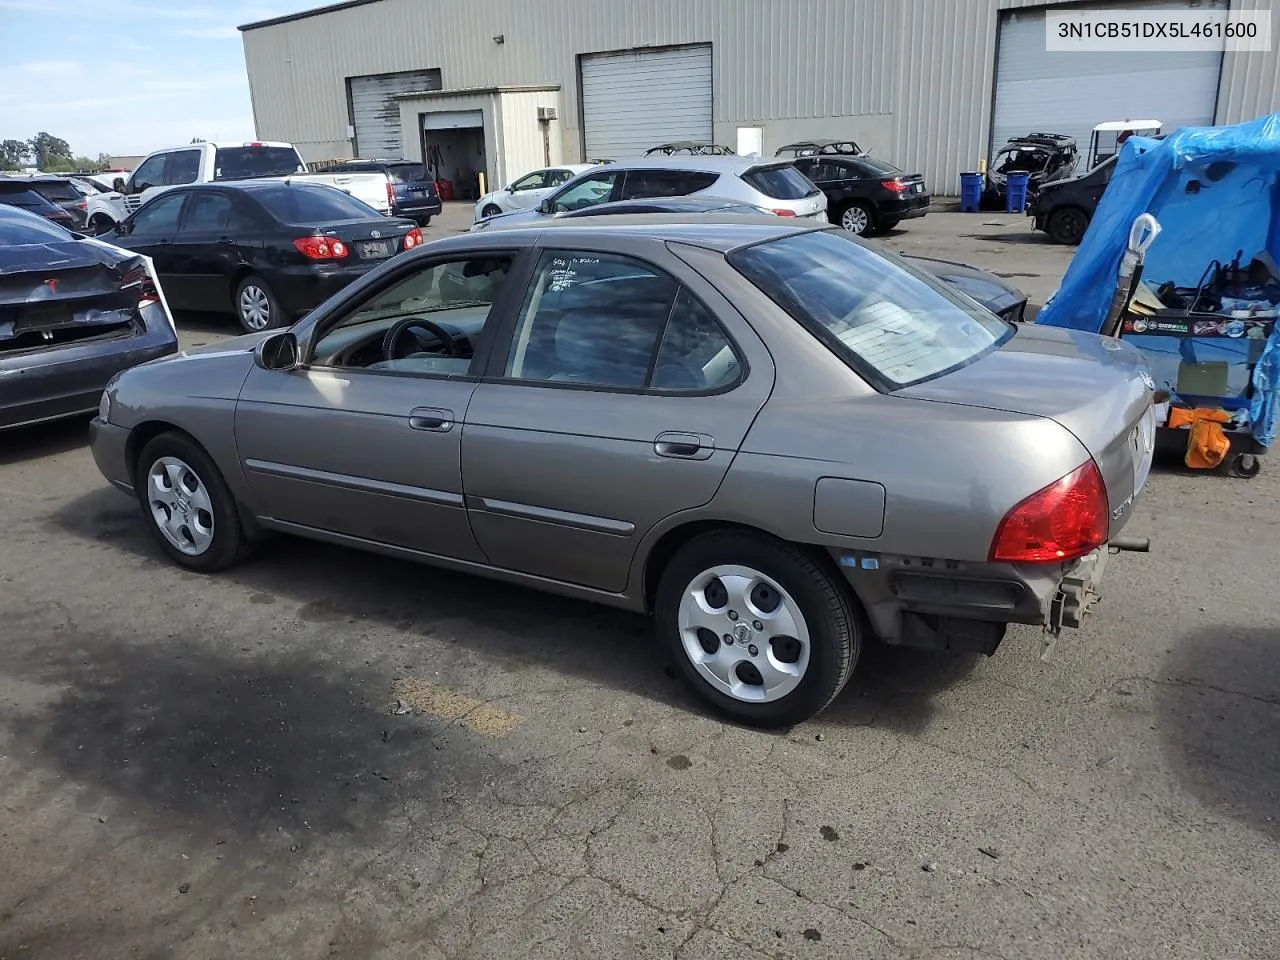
(159, 216)
(586, 192)
(429, 322)
(150, 174)
(609, 321)
(889, 321)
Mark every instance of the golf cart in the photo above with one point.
(696, 148)
(814, 148)
(1106, 139)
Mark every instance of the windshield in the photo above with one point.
(313, 203)
(244, 163)
(893, 323)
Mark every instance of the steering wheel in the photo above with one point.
(398, 328)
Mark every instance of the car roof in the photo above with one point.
(692, 204)
(707, 163)
(712, 231)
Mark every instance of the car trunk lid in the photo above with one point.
(56, 294)
(374, 239)
(1096, 387)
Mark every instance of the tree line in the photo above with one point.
(46, 152)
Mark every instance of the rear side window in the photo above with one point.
(244, 163)
(780, 183)
(209, 212)
(301, 204)
(183, 167)
(642, 184)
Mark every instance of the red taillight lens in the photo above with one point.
(139, 278)
(321, 248)
(783, 213)
(391, 195)
(896, 185)
(1065, 520)
(413, 239)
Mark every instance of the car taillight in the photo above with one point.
(1065, 520)
(896, 185)
(139, 278)
(413, 239)
(82, 206)
(783, 213)
(391, 194)
(321, 248)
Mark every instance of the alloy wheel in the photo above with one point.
(744, 634)
(180, 505)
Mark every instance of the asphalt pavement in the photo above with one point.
(324, 754)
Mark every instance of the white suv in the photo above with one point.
(772, 185)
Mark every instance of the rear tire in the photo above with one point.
(795, 640)
(856, 218)
(884, 226)
(490, 210)
(424, 221)
(256, 306)
(188, 506)
(1067, 225)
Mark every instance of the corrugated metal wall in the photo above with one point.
(925, 66)
(523, 145)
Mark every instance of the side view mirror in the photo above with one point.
(277, 352)
(118, 185)
(545, 206)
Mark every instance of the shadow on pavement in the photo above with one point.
(1027, 236)
(1219, 713)
(44, 439)
(245, 747)
(519, 628)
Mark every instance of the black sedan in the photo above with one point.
(74, 312)
(865, 195)
(267, 250)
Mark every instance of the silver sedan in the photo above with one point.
(781, 442)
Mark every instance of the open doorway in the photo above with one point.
(453, 151)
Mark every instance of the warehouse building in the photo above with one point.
(500, 87)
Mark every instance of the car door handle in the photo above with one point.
(684, 446)
(435, 419)
(225, 242)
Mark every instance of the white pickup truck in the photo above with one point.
(220, 162)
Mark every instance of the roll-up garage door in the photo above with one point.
(1070, 93)
(635, 100)
(376, 117)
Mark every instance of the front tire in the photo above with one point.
(490, 210)
(1067, 225)
(758, 628)
(856, 218)
(256, 306)
(188, 506)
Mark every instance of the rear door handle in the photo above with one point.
(435, 419)
(684, 446)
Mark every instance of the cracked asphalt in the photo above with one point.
(323, 754)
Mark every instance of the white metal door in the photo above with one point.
(376, 117)
(1038, 91)
(638, 99)
(453, 119)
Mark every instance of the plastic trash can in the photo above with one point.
(970, 192)
(1015, 197)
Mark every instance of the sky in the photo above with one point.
(128, 76)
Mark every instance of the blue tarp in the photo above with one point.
(1236, 208)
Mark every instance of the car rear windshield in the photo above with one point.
(891, 322)
(244, 163)
(781, 183)
(309, 204)
(878, 168)
(15, 233)
(57, 190)
(406, 172)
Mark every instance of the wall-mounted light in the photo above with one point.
(499, 39)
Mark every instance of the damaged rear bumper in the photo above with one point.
(957, 605)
